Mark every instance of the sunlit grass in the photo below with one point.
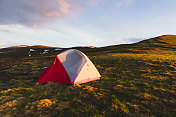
(133, 83)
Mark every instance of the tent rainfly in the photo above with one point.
(70, 67)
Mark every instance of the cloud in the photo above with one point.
(64, 5)
(125, 3)
(95, 3)
(81, 36)
(36, 13)
(134, 40)
(33, 12)
(11, 29)
(128, 40)
(173, 20)
(3, 43)
(7, 29)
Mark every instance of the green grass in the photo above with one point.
(134, 83)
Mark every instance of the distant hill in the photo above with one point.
(24, 50)
(153, 45)
(160, 43)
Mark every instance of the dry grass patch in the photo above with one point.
(45, 103)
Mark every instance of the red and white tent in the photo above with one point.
(70, 67)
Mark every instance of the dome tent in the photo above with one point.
(70, 67)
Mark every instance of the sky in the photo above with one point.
(68, 23)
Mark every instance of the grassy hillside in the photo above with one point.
(24, 50)
(137, 80)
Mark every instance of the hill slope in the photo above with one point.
(137, 80)
(24, 50)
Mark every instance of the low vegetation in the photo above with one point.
(137, 80)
